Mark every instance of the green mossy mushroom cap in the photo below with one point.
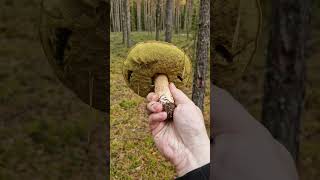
(147, 59)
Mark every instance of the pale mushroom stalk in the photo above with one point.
(161, 88)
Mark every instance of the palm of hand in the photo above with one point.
(170, 143)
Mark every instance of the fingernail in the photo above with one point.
(164, 115)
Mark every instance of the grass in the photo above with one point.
(133, 153)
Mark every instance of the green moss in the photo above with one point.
(127, 104)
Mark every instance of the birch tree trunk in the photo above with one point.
(201, 64)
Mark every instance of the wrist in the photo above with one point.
(201, 152)
(198, 154)
(187, 164)
(199, 147)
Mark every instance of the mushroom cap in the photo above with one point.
(147, 59)
(74, 36)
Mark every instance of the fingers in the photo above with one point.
(157, 121)
(157, 117)
(152, 97)
(154, 107)
(178, 96)
(156, 127)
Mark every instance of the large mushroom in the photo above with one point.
(150, 66)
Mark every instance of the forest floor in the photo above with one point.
(133, 154)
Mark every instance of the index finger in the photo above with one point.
(152, 97)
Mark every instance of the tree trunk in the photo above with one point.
(139, 15)
(285, 76)
(133, 14)
(158, 22)
(114, 15)
(119, 16)
(190, 13)
(201, 64)
(112, 24)
(150, 17)
(169, 14)
(124, 22)
(145, 15)
(185, 21)
(128, 22)
(177, 17)
(163, 15)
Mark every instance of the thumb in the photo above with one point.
(178, 96)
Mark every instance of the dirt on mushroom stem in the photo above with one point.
(163, 91)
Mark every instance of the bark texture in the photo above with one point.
(158, 22)
(128, 22)
(201, 64)
(139, 15)
(169, 18)
(124, 22)
(286, 72)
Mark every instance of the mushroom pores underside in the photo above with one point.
(148, 59)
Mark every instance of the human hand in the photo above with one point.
(244, 149)
(183, 141)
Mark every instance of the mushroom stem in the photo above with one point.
(162, 90)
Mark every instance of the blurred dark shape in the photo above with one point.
(74, 35)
